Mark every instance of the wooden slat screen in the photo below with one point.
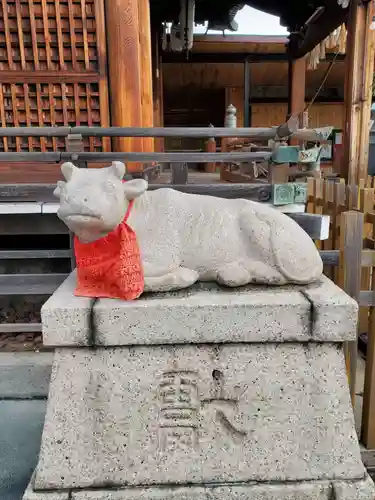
(53, 70)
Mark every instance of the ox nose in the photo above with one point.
(73, 207)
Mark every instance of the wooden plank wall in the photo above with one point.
(320, 114)
(53, 73)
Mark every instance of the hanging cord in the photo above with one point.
(323, 81)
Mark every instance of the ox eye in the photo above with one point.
(85, 200)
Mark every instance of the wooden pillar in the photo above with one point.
(210, 147)
(358, 91)
(145, 73)
(297, 88)
(246, 104)
(129, 58)
(157, 76)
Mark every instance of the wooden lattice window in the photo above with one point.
(53, 69)
(45, 35)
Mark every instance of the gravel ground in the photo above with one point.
(21, 310)
(11, 342)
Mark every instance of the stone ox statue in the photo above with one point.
(184, 238)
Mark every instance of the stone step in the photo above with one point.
(25, 375)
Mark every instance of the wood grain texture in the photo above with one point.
(256, 133)
(351, 258)
(157, 75)
(122, 20)
(368, 411)
(43, 192)
(54, 72)
(358, 95)
(179, 173)
(298, 86)
(101, 47)
(145, 67)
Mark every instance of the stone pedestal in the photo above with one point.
(207, 393)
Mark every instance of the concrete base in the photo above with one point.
(316, 490)
(262, 413)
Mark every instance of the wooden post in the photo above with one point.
(157, 75)
(246, 104)
(297, 88)
(368, 412)
(210, 147)
(179, 173)
(145, 74)
(358, 91)
(350, 260)
(129, 57)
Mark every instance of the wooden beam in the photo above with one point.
(358, 91)
(42, 192)
(34, 254)
(122, 21)
(232, 57)
(15, 328)
(175, 157)
(30, 284)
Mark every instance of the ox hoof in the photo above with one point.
(233, 275)
(185, 277)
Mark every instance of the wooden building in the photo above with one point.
(99, 63)
(197, 90)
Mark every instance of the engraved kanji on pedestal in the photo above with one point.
(182, 411)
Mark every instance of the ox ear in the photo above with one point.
(135, 188)
(67, 170)
(118, 169)
(57, 191)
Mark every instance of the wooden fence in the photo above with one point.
(352, 219)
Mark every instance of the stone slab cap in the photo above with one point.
(204, 313)
(65, 317)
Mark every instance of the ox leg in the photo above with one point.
(241, 273)
(172, 280)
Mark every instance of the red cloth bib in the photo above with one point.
(110, 267)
